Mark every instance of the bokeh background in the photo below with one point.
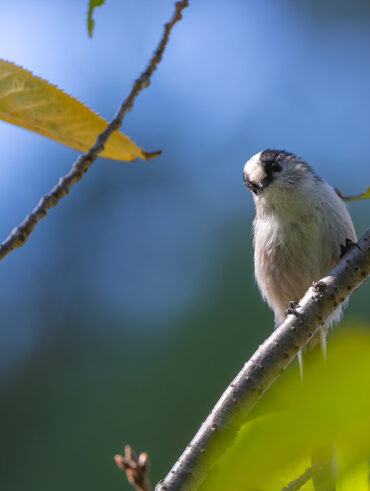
(133, 303)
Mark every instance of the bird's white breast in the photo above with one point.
(296, 242)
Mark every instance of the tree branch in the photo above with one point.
(20, 234)
(221, 427)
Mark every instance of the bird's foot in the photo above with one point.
(292, 310)
(319, 286)
(349, 244)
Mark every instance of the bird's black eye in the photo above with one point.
(276, 167)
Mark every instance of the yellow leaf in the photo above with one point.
(35, 104)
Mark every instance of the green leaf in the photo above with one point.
(295, 419)
(90, 20)
(364, 195)
(35, 104)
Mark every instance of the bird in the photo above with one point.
(300, 231)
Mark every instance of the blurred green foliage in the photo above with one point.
(296, 419)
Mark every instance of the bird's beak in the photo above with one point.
(265, 182)
(257, 188)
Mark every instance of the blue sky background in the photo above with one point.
(138, 248)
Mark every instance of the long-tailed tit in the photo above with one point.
(298, 231)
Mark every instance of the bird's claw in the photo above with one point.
(319, 286)
(292, 310)
(349, 244)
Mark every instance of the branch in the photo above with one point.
(221, 427)
(136, 468)
(308, 474)
(20, 234)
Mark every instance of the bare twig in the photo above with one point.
(136, 468)
(308, 474)
(221, 427)
(20, 234)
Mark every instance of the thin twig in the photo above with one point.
(308, 474)
(222, 425)
(136, 468)
(20, 234)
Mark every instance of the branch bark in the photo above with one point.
(20, 234)
(221, 427)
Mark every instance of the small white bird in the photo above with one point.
(300, 229)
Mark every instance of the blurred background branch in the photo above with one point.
(228, 415)
(136, 468)
(20, 234)
(308, 474)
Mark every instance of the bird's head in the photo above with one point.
(272, 172)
